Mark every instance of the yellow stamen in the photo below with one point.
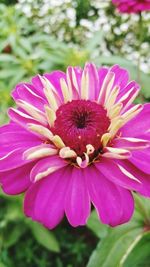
(58, 141)
(131, 113)
(66, 152)
(89, 149)
(85, 85)
(51, 116)
(39, 129)
(65, 90)
(105, 139)
(109, 102)
(31, 110)
(115, 125)
(114, 111)
(39, 152)
(83, 163)
(49, 93)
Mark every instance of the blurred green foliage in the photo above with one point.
(125, 245)
(38, 37)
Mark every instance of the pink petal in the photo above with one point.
(13, 159)
(11, 127)
(54, 77)
(141, 159)
(11, 154)
(75, 88)
(121, 76)
(94, 86)
(24, 92)
(130, 143)
(102, 72)
(114, 204)
(77, 201)
(18, 138)
(16, 181)
(37, 84)
(137, 181)
(42, 166)
(138, 125)
(44, 200)
(127, 88)
(22, 118)
(144, 189)
(78, 73)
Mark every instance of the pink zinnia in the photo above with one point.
(76, 139)
(132, 6)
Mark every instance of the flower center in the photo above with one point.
(79, 123)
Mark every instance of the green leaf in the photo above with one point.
(12, 234)
(117, 243)
(2, 264)
(113, 250)
(142, 209)
(7, 58)
(7, 73)
(44, 237)
(94, 224)
(140, 255)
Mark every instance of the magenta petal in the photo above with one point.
(144, 185)
(77, 201)
(114, 204)
(44, 200)
(129, 99)
(131, 143)
(127, 88)
(75, 88)
(94, 86)
(141, 159)
(16, 181)
(24, 92)
(11, 127)
(102, 72)
(78, 73)
(138, 125)
(132, 6)
(18, 138)
(22, 118)
(121, 76)
(11, 159)
(137, 181)
(49, 165)
(54, 77)
(37, 84)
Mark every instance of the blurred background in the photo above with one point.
(44, 35)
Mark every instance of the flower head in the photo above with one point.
(132, 6)
(74, 139)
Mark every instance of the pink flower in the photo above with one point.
(132, 6)
(77, 139)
